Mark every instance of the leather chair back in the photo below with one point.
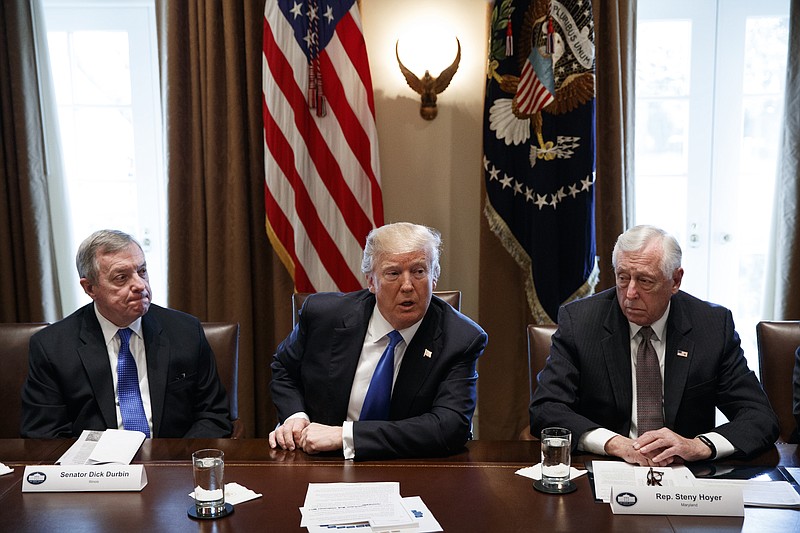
(538, 350)
(223, 338)
(451, 297)
(14, 340)
(777, 344)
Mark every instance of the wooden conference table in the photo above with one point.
(473, 491)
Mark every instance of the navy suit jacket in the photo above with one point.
(433, 397)
(586, 382)
(70, 386)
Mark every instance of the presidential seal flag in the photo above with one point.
(322, 190)
(539, 148)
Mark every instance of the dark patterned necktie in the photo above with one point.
(130, 397)
(648, 385)
(379, 394)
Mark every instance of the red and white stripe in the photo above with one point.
(532, 95)
(322, 190)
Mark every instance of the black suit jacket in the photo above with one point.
(433, 397)
(586, 382)
(70, 386)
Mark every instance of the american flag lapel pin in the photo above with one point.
(427, 353)
(681, 353)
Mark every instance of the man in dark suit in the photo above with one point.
(75, 381)
(324, 373)
(595, 381)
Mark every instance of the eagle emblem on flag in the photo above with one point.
(539, 146)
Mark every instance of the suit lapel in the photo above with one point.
(677, 359)
(157, 352)
(617, 353)
(346, 345)
(94, 357)
(417, 364)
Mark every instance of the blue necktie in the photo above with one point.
(130, 397)
(379, 394)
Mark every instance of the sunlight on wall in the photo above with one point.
(427, 32)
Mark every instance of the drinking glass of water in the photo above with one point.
(556, 447)
(208, 467)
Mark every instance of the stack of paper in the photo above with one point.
(112, 446)
(374, 507)
(621, 475)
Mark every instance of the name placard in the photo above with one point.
(83, 478)
(700, 501)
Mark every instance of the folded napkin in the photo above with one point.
(535, 472)
(235, 493)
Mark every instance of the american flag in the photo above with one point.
(322, 189)
(536, 87)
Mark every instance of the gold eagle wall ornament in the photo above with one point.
(429, 86)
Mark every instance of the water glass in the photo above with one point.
(209, 486)
(556, 458)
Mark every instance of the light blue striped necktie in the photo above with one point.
(130, 397)
(379, 394)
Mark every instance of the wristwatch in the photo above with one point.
(705, 440)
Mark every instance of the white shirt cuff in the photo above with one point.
(298, 414)
(348, 447)
(594, 441)
(723, 445)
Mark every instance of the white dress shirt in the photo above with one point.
(136, 345)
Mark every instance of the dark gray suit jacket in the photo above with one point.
(70, 387)
(433, 397)
(586, 382)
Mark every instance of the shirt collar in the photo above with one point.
(379, 327)
(659, 326)
(110, 329)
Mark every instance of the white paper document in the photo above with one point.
(426, 523)
(621, 475)
(5, 470)
(377, 504)
(112, 446)
(759, 493)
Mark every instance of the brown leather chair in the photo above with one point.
(14, 339)
(451, 297)
(223, 338)
(777, 344)
(538, 350)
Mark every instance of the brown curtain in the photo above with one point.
(787, 231)
(28, 280)
(615, 36)
(221, 265)
(503, 387)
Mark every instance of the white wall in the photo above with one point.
(431, 171)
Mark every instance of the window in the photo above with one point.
(710, 78)
(105, 75)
